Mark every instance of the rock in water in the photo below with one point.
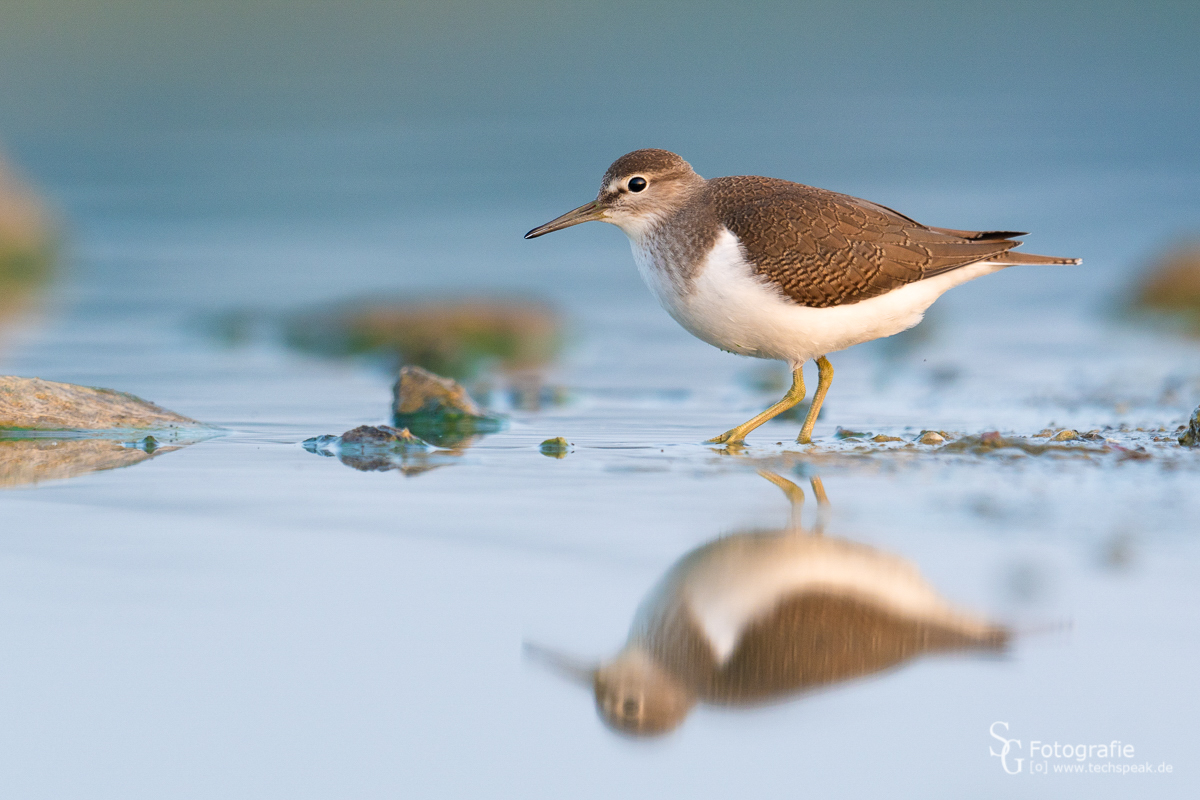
(437, 409)
(457, 337)
(26, 242)
(1191, 437)
(32, 404)
(25, 461)
(380, 449)
(383, 436)
(1172, 286)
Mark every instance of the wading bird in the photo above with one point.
(773, 269)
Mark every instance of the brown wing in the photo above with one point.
(817, 638)
(827, 249)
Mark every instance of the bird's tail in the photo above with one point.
(1029, 258)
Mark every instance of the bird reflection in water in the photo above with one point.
(756, 617)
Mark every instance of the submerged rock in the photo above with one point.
(32, 404)
(438, 409)
(843, 433)
(881, 438)
(1191, 437)
(452, 337)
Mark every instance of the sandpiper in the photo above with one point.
(759, 616)
(768, 268)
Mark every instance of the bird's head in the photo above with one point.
(636, 696)
(639, 189)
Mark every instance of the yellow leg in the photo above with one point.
(824, 379)
(794, 395)
(795, 494)
(822, 505)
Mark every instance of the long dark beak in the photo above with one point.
(585, 213)
(567, 666)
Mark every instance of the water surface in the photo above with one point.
(243, 618)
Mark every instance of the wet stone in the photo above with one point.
(1191, 437)
(382, 448)
(993, 441)
(1065, 436)
(843, 433)
(1171, 288)
(558, 447)
(27, 243)
(365, 438)
(384, 435)
(458, 337)
(438, 409)
(882, 438)
(931, 437)
(32, 404)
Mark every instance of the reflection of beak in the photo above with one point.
(567, 666)
(585, 213)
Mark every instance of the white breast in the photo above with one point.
(730, 307)
(730, 583)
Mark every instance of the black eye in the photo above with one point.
(637, 184)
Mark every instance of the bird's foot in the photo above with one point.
(735, 436)
(804, 438)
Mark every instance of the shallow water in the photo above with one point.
(243, 618)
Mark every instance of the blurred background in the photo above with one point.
(284, 152)
(198, 198)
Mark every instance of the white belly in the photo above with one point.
(730, 307)
(729, 584)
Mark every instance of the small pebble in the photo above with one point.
(881, 438)
(1044, 433)
(1065, 436)
(931, 437)
(555, 448)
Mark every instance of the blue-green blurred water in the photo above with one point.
(244, 619)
